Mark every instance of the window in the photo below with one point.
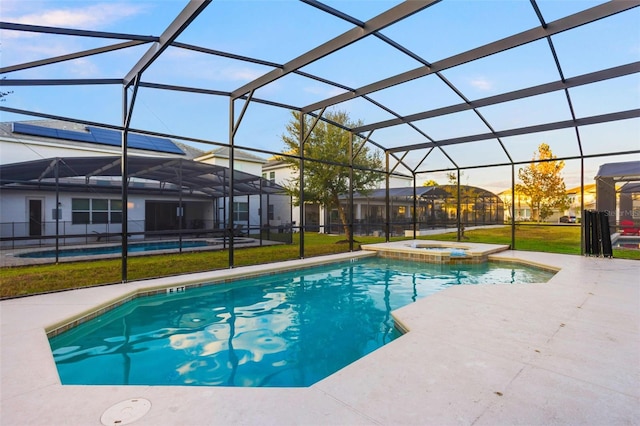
(270, 212)
(86, 211)
(240, 212)
(272, 178)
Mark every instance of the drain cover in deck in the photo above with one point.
(126, 412)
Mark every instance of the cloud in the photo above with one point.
(208, 68)
(481, 84)
(238, 74)
(83, 68)
(95, 16)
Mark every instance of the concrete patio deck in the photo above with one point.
(563, 352)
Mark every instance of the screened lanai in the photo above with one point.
(432, 89)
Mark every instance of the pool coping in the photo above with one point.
(416, 250)
(564, 352)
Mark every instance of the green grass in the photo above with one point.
(17, 281)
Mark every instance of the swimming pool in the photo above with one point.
(288, 329)
(131, 248)
(632, 243)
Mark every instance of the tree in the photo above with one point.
(430, 182)
(542, 184)
(3, 94)
(326, 180)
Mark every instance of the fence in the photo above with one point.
(22, 234)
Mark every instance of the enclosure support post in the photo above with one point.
(386, 198)
(180, 211)
(57, 210)
(228, 231)
(301, 197)
(261, 212)
(351, 215)
(458, 215)
(127, 113)
(513, 206)
(582, 245)
(415, 207)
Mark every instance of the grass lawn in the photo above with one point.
(17, 281)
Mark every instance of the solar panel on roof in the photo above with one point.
(28, 129)
(100, 136)
(75, 136)
(107, 137)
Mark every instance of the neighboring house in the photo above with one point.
(57, 175)
(436, 207)
(281, 209)
(280, 172)
(574, 195)
(522, 208)
(575, 200)
(245, 209)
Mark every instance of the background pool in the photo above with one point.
(627, 243)
(287, 329)
(131, 248)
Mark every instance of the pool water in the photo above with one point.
(287, 329)
(627, 243)
(131, 248)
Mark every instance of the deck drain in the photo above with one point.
(126, 412)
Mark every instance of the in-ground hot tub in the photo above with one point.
(436, 251)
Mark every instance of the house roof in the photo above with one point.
(191, 176)
(81, 135)
(223, 152)
(625, 171)
(421, 191)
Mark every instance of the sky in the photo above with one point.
(279, 31)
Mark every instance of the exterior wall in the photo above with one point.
(15, 206)
(253, 167)
(522, 209)
(282, 174)
(282, 213)
(17, 151)
(198, 212)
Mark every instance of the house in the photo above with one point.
(576, 198)
(317, 219)
(59, 178)
(522, 207)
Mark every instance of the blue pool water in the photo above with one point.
(131, 248)
(627, 243)
(287, 329)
